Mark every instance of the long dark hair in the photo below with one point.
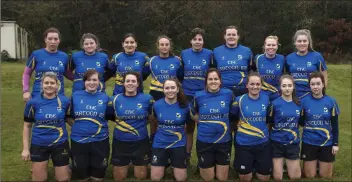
(294, 92)
(181, 98)
(137, 75)
(210, 70)
(317, 74)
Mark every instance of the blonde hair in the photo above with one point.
(171, 53)
(51, 75)
(271, 37)
(306, 33)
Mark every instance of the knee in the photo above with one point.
(181, 178)
(222, 177)
(296, 175)
(277, 177)
(207, 177)
(309, 174)
(141, 175)
(246, 177)
(156, 177)
(325, 175)
(64, 179)
(120, 176)
(263, 177)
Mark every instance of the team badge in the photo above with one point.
(59, 109)
(325, 109)
(222, 103)
(98, 64)
(278, 66)
(139, 105)
(136, 62)
(155, 159)
(172, 66)
(309, 64)
(100, 102)
(297, 112)
(178, 115)
(204, 62)
(60, 63)
(239, 57)
(263, 107)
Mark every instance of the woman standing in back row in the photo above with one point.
(234, 61)
(270, 67)
(129, 60)
(305, 61)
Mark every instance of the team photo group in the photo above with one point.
(222, 97)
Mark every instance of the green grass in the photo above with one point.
(14, 169)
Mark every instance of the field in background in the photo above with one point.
(14, 169)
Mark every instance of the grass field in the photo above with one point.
(14, 169)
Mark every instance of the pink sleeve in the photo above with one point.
(69, 74)
(25, 78)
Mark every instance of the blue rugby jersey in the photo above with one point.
(233, 64)
(163, 68)
(285, 118)
(171, 124)
(300, 67)
(81, 62)
(131, 116)
(270, 69)
(214, 115)
(122, 63)
(318, 125)
(89, 111)
(195, 66)
(253, 114)
(42, 61)
(48, 118)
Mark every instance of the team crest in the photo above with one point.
(98, 64)
(325, 109)
(178, 115)
(278, 66)
(155, 159)
(105, 162)
(136, 62)
(239, 57)
(100, 102)
(204, 62)
(309, 64)
(263, 107)
(60, 63)
(172, 66)
(139, 105)
(297, 112)
(222, 103)
(59, 109)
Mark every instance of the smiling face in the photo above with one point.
(131, 84)
(129, 45)
(52, 41)
(287, 87)
(197, 42)
(170, 89)
(213, 82)
(316, 85)
(270, 46)
(92, 83)
(50, 86)
(89, 45)
(231, 37)
(302, 43)
(164, 46)
(254, 85)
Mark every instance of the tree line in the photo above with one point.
(329, 22)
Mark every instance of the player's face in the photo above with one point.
(270, 46)
(254, 85)
(302, 43)
(287, 87)
(92, 83)
(89, 45)
(316, 85)
(197, 42)
(131, 83)
(170, 89)
(49, 86)
(129, 45)
(164, 46)
(52, 41)
(213, 82)
(231, 37)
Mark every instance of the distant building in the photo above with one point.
(14, 39)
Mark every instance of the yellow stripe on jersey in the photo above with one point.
(267, 86)
(60, 130)
(94, 121)
(118, 79)
(245, 123)
(220, 123)
(240, 129)
(299, 79)
(179, 137)
(256, 61)
(321, 129)
(288, 130)
(243, 76)
(101, 87)
(31, 112)
(194, 78)
(32, 63)
(130, 128)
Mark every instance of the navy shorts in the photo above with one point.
(290, 151)
(59, 154)
(135, 152)
(256, 156)
(313, 152)
(211, 154)
(175, 156)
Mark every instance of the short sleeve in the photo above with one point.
(29, 112)
(322, 64)
(188, 115)
(335, 109)
(194, 107)
(31, 61)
